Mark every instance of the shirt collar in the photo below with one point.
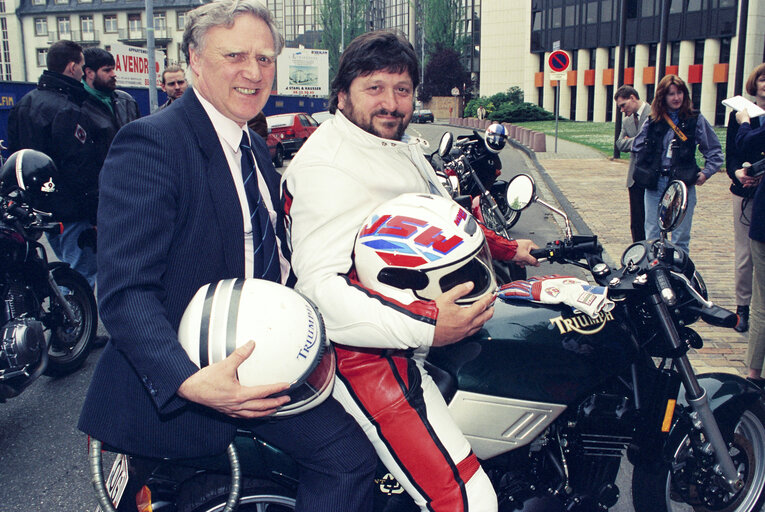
(227, 130)
(368, 138)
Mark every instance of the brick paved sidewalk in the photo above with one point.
(595, 187)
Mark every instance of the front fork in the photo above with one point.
(68, 311)
(697, 398)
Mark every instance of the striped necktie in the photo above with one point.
(266, 251)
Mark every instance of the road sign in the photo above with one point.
(558, 61)
(555, 75)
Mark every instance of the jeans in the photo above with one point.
(65, 247)
(681, 236)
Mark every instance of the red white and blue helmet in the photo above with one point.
(290, 341)
(418, 246)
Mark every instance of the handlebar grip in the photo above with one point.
(665, 288)
(541, 253)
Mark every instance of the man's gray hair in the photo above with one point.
(224, 13)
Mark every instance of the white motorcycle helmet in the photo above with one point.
(290, 342)
(418, 246)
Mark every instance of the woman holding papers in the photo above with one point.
(735, 156)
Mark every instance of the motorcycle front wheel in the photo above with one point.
(70, 342)
(657, 491)
(209, 493)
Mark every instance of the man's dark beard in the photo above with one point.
(348, 112)
(103, 86)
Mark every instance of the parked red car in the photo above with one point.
(292, 130)
(275, 149)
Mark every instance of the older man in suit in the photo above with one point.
(636, 111)
(174, 215)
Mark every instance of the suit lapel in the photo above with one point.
(225, 201)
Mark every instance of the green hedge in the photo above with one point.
(518, 112)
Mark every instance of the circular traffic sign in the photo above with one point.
(558, 61)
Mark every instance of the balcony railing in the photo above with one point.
(139, 34)
(77, 36)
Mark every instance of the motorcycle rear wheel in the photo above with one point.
(70, 344)
(209, 493)
(652, 491)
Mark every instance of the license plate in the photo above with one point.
(117, 481)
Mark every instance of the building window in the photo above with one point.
(725, 50)
(674, 53)
(64, 27)
(6, 75)
(698, 52)
(134, 26)
(110, 23)
(85, 1)
(722, 93)
(650, 89)
(181, 20)
(609, 104)
(42, 56)
(630, 56)
(62, 1)
(694, 5)
(591, 102)
(557, 17)
(41, 26)
(592, 12)
(652, 50)
(696, 96)
(160, 21)
(648, 9)
(593, 54)
(607, 11)
(38, 2)
(611, 57)
(86, 26)
(676, 7)
(572, 110)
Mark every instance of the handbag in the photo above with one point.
(645, 177)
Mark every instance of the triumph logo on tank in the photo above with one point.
(582, 324)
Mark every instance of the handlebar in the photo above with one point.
(578, 247)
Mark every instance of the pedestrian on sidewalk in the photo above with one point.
(667, 146)
(636, 113)
(742, 196)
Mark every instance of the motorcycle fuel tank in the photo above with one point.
(527, 365)
(538, 352)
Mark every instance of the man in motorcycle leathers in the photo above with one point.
(349, 166)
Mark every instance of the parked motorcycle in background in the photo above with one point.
(562, 383)
(469, 169)
(48, 315)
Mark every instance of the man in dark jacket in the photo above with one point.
(115, 108)
(54, 119)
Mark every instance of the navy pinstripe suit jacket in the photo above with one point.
(169, 221)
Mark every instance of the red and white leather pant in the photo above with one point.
(402, 412)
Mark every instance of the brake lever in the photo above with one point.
(697, 295)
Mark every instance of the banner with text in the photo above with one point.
(132, 65)
(303, 72)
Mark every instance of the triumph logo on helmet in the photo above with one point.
(583, 324)
(48, 186)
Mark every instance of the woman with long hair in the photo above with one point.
(667, 146)
(742, 195)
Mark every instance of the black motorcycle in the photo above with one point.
(48, 313)
(469, 169)
(551, 401)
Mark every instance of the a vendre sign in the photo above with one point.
(131, 64)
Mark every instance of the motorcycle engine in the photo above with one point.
(21, 343)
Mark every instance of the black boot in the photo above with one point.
(743, 319)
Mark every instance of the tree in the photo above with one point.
(443, 72)
(441, 19)
(336, 36)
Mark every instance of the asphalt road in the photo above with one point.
(43, 457)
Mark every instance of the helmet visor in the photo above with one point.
(477, 270)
